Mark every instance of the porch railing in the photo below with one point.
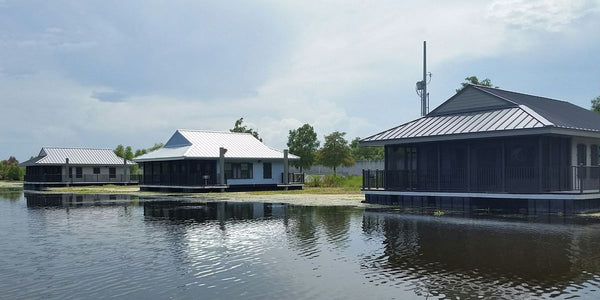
(575, 179)
(294, 178)
(84, 178)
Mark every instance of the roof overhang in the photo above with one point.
(490, 134)
(211, 158)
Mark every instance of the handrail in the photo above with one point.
(576, 179)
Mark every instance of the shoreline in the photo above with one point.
(306, 197)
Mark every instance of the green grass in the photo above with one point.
(11, 184)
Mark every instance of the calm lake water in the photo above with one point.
(99, 246)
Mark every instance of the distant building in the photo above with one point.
(198, 160)
(490, 143)
(56, 166)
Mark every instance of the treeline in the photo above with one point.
(127, 152)
(10, 170)
(335, 152)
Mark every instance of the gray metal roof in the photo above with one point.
(517, 113)
(76, 156)
(205, 144)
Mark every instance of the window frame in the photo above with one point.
(269, 174)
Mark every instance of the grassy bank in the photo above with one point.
(134, 189)
(11, 184)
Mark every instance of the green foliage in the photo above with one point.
(238, 127)
(127, 153)
(438, 213)
(475, 80)
(333, 180)
(10, 170)
(303, 142)
(365, 153)
(596, 104)
(335, 151)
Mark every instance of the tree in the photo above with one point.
(475, 80)
(335, 151)
(120, 151)
(365, 153)
(303, 142)
(596, 104)
(10, 170)
(238, 127)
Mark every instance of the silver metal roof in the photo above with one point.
(76, 156)
(205, 144)
(520, 114)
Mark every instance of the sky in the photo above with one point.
(103, 73)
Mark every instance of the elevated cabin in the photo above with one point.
(56, 166)
(490, 143)
(198, 160)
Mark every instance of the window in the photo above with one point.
(70, 172)
(238, 170)
(78, 172)
(112, 173)
(267, 170)
(96, 170)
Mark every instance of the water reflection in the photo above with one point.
(458, 257)
(101, 246)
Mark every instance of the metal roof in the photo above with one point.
(76, 156)
(525, 113)
(205, 144)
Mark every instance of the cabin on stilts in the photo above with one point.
(64, 166)
(203, 161)
(489, 143)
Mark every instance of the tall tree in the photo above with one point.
(238, 127)
(365, 153)
(335, 151)
(120, 151)
(303, 142)
(596, 104)
(475, 80)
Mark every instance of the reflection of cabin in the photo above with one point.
(196, 160)
(76, 166)
(487, 142)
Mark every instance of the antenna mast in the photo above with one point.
(422, 85)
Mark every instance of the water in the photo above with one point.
(98, 246)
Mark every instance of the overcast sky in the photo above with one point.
(102, 73)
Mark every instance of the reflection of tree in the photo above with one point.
(470, 257)
(11, 194)
(302, 229)
(336, 222)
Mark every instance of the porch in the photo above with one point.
(522, 180)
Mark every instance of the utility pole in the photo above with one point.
(422, 85)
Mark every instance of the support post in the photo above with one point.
(468, 167)
(286, 167)
(125, 179)
(439, 168)
(540, 165)
(503, 167)
(222, 165)
(68, 171)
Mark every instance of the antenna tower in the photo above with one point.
(422, 85)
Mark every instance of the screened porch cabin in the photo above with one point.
(487, 142)
(192, 160)
(61, 166)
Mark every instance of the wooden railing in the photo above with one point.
(508, 180)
